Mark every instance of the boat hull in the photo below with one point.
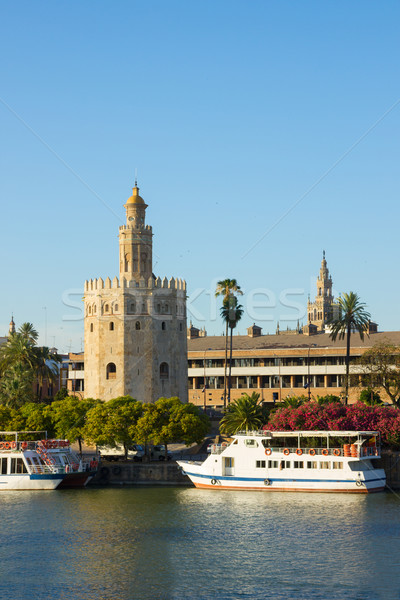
(24, 481)
(375, 483)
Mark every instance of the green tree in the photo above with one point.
(10, 419)
(368, 396)
(352, 316)
(113, 423)
(243, 414)
(21, 362)
(293, 401)
(36, 417)
(16, 386)
(46, 367)
(169, 420)
(69, 417)
(381, 368)
(226, 288)
(231, 312)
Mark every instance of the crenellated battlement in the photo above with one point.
(92, 285)
(147, 228)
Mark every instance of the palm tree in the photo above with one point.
(46, 366)
(352, 316)
(231, 312)
(243, 414)
(29, 333)
(225, 288)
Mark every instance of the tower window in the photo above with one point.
(163, 326)
(137, 325)
(164, 371)
(132, 307)
(91, 327)
(111, 371)
(180, 327)
(90, 310)
(158, 308)
(116, 307)
(94, 309)
(106, 308)
(112, 326)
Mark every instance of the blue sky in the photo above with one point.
(262, 133)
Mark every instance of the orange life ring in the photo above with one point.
(6, 445)
(336, 452)
(299, 451)
(268, 451)
(286, 451)
(325, 452)
(13, 445)
(1, 446)
(24, 445)
(311, 452)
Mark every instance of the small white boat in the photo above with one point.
(292, 461)
(40, 464)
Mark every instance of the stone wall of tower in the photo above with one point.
(135, 333)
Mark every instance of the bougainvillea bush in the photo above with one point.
(335, 416)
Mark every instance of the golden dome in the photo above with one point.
(135, 198)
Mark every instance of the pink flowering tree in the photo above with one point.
(312, 416)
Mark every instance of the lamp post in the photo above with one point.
(205, 386)
(308, 377)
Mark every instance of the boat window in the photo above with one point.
(251, 443)
(272, 464)
(337, 465)
(312, 464)
(285, 464)
(18, 466)
(324, 464)
(3, 466)
(260, 464)
(356, 465)
(298, 464)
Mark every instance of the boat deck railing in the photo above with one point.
(352, 452)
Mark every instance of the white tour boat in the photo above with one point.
(40, 464)
(292, 461)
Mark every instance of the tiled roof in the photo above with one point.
(282, 341)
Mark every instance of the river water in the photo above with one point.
(183, 543)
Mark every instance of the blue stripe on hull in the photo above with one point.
(278, 479)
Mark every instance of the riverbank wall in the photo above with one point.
(132, 473)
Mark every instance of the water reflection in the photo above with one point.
(173, 543)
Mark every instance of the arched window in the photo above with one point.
(111, 371)
(132, 307)
(164, 371)
(158, 308)
(115, 307)
(94, 309)
(163, 326)
(90, 310)
(91, 327)
(106, 308)
(137, 325)
(180, 327)
(144, 307)
(112, 326)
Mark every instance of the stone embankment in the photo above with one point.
(132, 473)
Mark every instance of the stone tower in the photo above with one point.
(323, 308)
(135, 326)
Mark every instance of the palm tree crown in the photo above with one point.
(243, 414)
